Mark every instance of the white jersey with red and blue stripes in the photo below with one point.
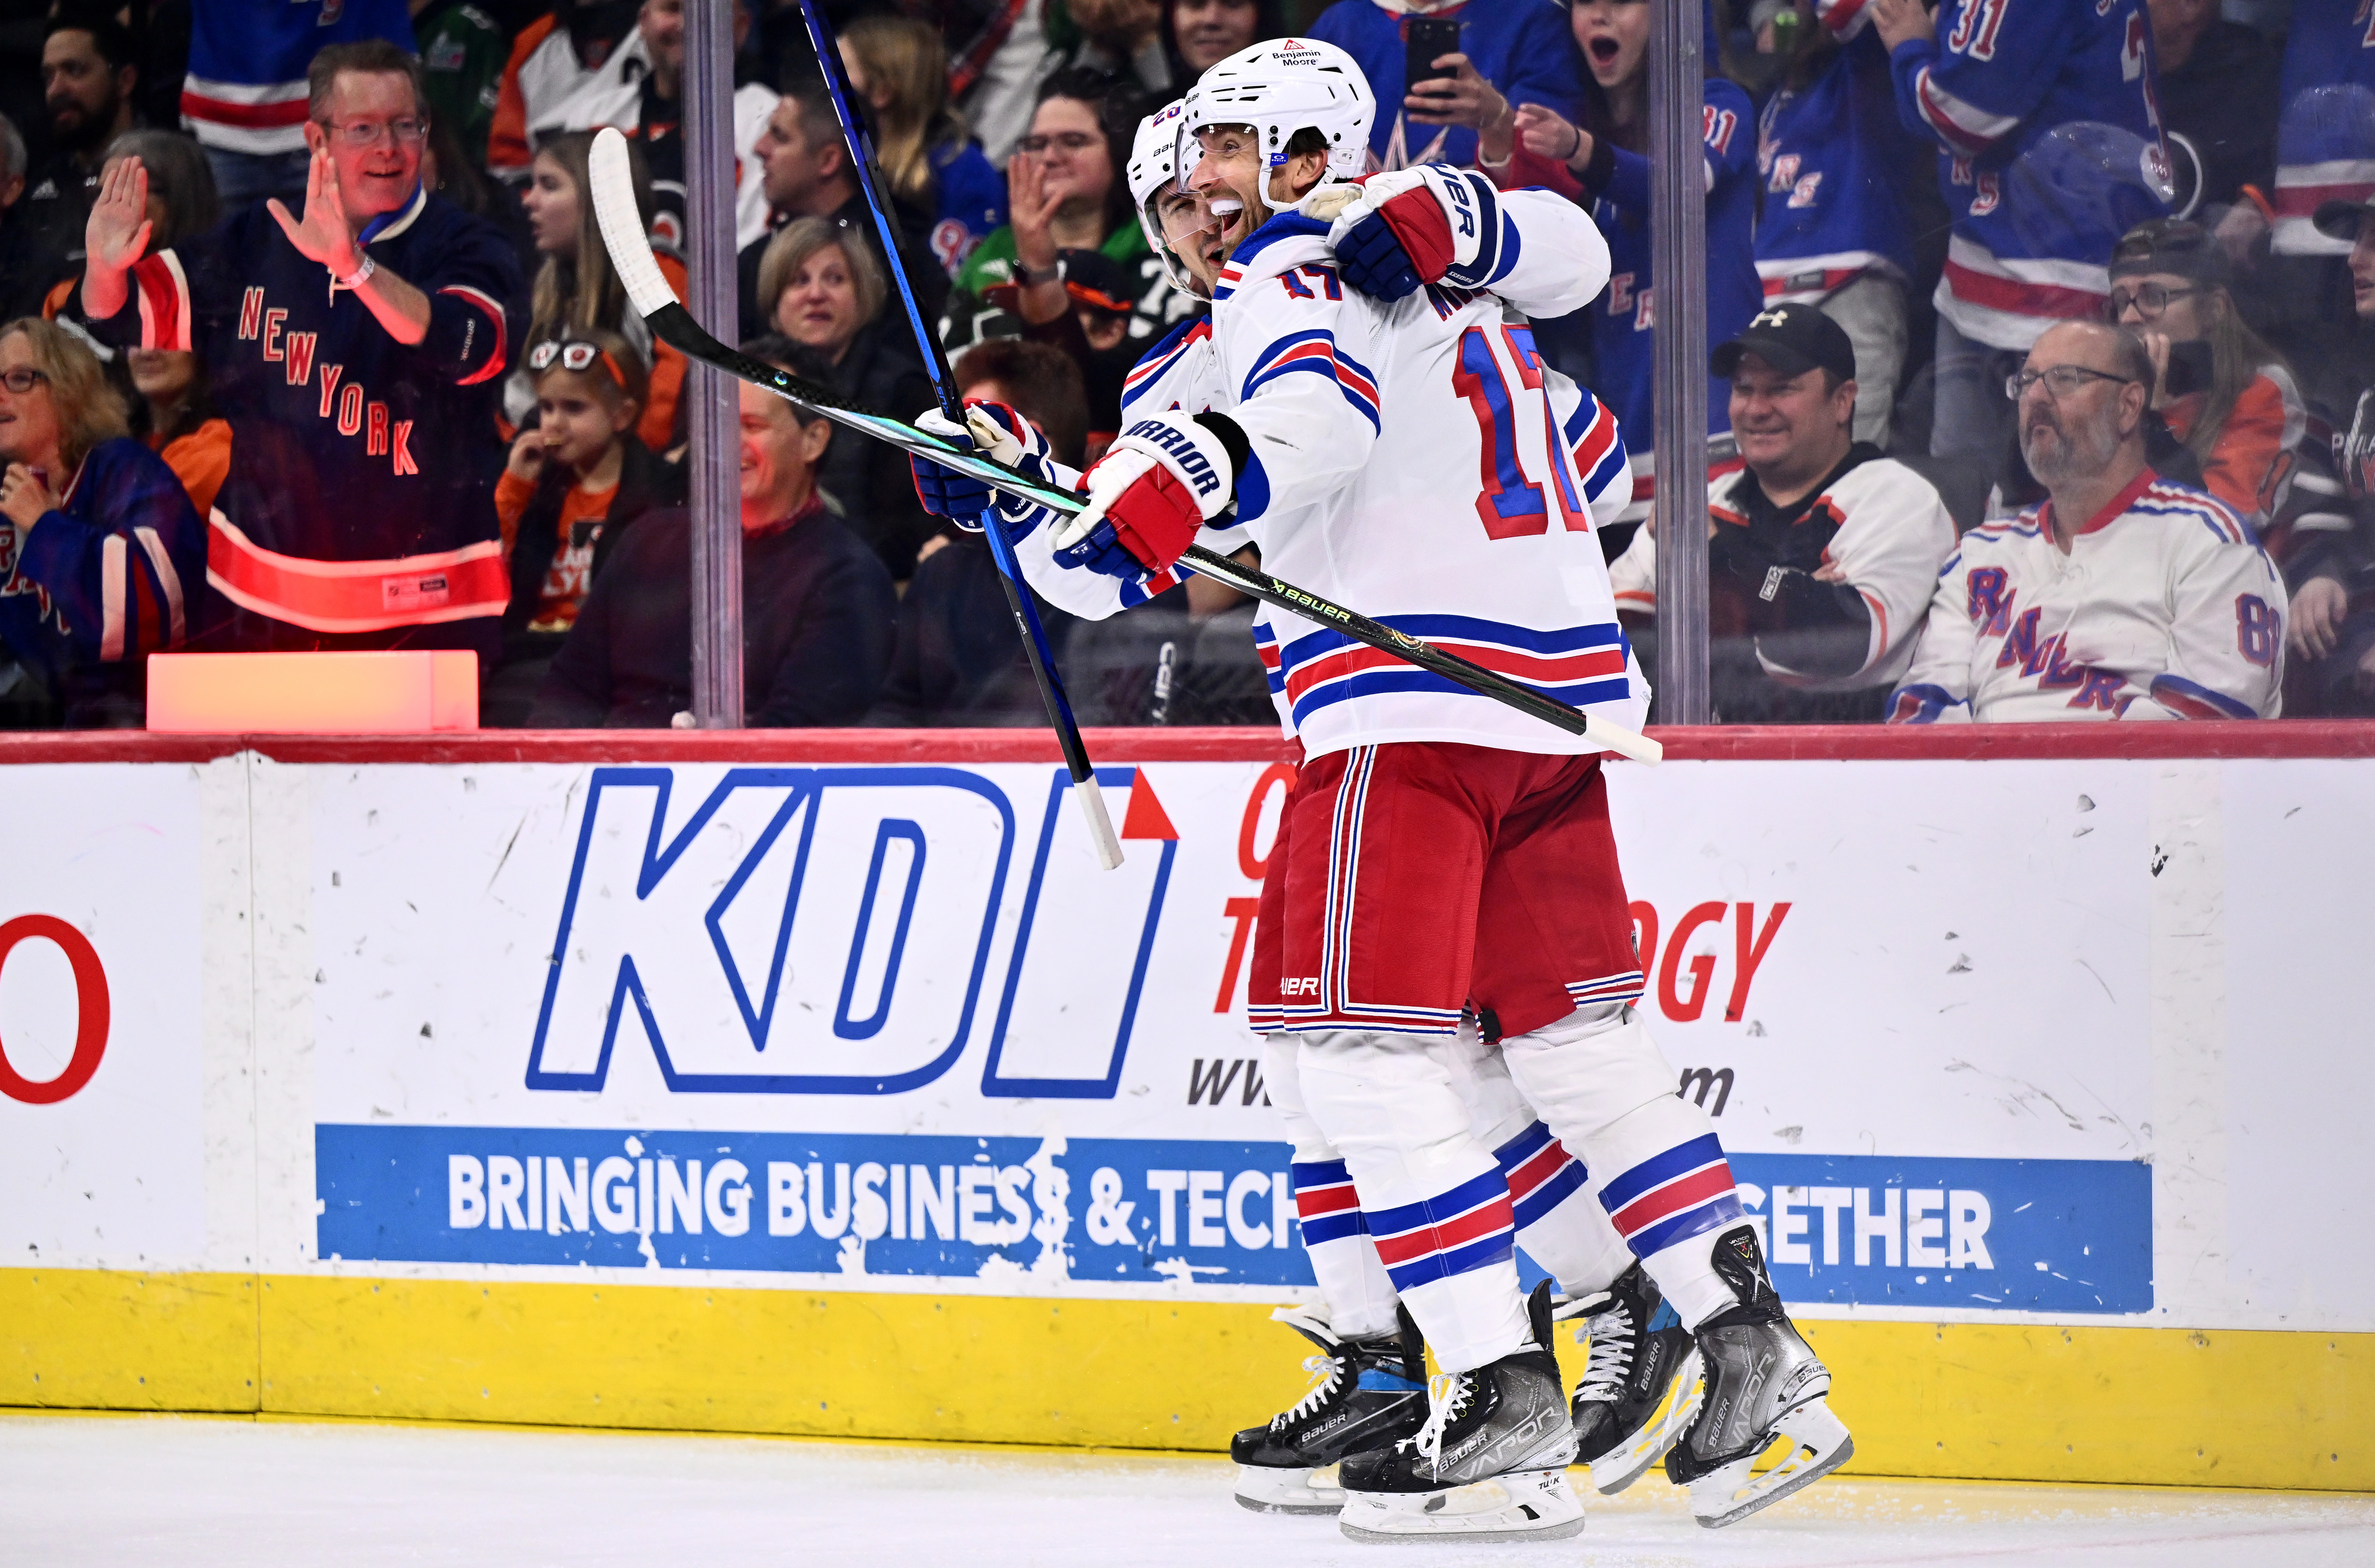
(2164, 607)
(1418, 461)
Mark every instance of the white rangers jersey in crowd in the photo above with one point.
(2165, 607)
(1880, 523)
(1546, 259)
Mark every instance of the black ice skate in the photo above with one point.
(1490, 1463)
(1369, 1393)
(1640, 1383)
(1763, 1384)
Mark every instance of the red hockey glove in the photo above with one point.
(1150, 493)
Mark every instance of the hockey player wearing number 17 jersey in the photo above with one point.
(1443, 853)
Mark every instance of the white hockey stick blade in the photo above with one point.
(1623, 742)
(622, 226)
(1100, 829)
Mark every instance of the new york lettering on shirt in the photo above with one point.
(353, 409)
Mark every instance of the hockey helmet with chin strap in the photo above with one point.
(1280, 87)
(1154, 168)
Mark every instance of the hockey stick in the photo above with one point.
(630, 253)
(1001, 550)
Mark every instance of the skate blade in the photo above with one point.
(1269, 1490)
(1620, 1468)
(1819, 1445)
(1517, 1505)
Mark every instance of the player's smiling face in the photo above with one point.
(1228, 176)
(1190, 232)
(1614, 35)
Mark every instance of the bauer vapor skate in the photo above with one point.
(1490, 1463)
(1764, 1384)
(1640, 1383)
(1369, 1393)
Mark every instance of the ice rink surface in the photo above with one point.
(144, 1490)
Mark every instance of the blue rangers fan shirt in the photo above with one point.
(360, 498)
(1829, 153)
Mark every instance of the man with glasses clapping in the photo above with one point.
(357, 348)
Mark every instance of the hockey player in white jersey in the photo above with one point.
(2122, 596)
(1639, 1386)
(1445, 853)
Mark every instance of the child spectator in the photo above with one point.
(1834, 233)
(899, 67)
(571, 487)
(102, 561)
(1605, 164)
(959, 661)
(818, 607)
(577, 289)
(828, 294)
(2228, 396)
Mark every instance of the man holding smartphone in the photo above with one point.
(1437, 58)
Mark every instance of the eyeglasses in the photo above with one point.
(573, 355)
(1070, 141)
(2060, 380)
(361, 135)
(2147, 299)
(23, 380)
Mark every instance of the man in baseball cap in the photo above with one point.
(1821, 553)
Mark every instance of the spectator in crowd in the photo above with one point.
(959, 661)
(1821, 552)
(174, 415)
(899, 67)
(552, 58)
(20, 287)
(1120, 39)
(818, 608)
(88, 72)
(357, 350)
(2325, 144)
(1605, 164)
(1832, 155)
(1202, 34)
(640, 90)
(462, 51)
(2123, 595)
(1526, 52)
(806, 172)
(572, 486)
(2023, 125)
(245, 96)
(2226, 395)
(1066, 192)
(578, 290)
(2330, 562)
(102, 561)
(2219, 99)
(827, 293)
(181, 201)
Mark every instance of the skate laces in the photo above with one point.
(1610, 1354)
(1326, 1371)
(1448, 1395)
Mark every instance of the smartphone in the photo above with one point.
(1429, 37)
(2189, 367)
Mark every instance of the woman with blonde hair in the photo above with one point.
(103, 559)
(577, 289)
(900, 67)
(821, 288)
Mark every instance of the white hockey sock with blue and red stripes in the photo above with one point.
(1431, 1196)
(1353, 1284)
(1606, 1092)
(1560, 1223)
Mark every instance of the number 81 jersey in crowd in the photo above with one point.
(1418, 461)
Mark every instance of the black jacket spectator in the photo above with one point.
(2218, 101)
(816, 627)
(88, 70)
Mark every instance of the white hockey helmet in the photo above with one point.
(1154, 166)
(1282, 87)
